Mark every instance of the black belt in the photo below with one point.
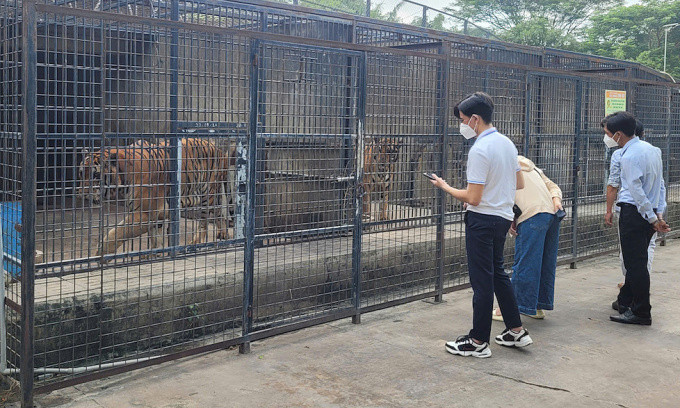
(632, 206)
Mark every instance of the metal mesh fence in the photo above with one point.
(10, 185)
(213, 173)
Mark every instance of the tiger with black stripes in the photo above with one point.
(380, 157)
(140, 173)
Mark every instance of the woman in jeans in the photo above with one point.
(537, 231)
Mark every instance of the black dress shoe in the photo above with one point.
(615, 305)
(628, 317)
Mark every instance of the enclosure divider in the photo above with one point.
(575, 171)
(28, 198)
(358, 189)
(251, 177)
(175, 142)
(443, 69)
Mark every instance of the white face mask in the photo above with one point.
(467, 131)
(610, 142)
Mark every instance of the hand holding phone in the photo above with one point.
(429, 175)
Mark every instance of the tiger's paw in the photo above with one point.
(224, 235)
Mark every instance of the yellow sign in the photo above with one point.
(614, 101)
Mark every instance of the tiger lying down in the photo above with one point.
(140, 174)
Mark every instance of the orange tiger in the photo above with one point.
(380, 158)
(140, 173)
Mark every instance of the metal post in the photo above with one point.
(28, 199)
(175, 142)
(424, 22)
(368, 8)
(465, 27)
(443, 69)
(251, 177)
(575, 176)
(358, 190)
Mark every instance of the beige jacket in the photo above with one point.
(538, 192)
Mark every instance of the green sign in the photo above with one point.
(614, 101)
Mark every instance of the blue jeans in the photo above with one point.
(535, 262)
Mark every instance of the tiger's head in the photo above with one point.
(95, 173)
(389, 148)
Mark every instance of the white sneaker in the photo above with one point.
(466, 347)
(511, 339)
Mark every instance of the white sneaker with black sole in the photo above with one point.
(511, 339)
(465, 346)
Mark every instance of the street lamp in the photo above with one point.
(667, 28)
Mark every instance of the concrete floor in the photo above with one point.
(396, 358)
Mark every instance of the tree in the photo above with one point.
(355, 7)
(547, 23)
(539, 32)
(636, 33)
(347, 6)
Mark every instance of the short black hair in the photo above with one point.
(639, 129)
(620, 122)
(477, 103)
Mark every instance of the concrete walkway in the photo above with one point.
(396, 358)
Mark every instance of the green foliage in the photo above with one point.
(636, 33)
(347, 6)
(506, 16)
(539, 32)
(603, 27)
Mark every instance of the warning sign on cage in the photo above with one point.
(614, 101)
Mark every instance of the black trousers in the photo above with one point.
(484, 241)
(636, 233)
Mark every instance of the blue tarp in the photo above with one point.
(11, 238)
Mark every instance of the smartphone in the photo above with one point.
(560, 214)
(429, 175)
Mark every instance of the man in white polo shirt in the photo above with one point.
(493, 175)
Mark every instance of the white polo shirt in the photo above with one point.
(492, 161)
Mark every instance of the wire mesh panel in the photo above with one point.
(464, 79)
(139, 130)
(306, 174)
(552, 140)
(672, 161)
(184, 160)
(10, 183)
(399, 257)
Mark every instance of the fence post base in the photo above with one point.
(244, 348)
(572, 265)
(356, 319)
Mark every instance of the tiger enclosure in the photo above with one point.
(184, 176)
